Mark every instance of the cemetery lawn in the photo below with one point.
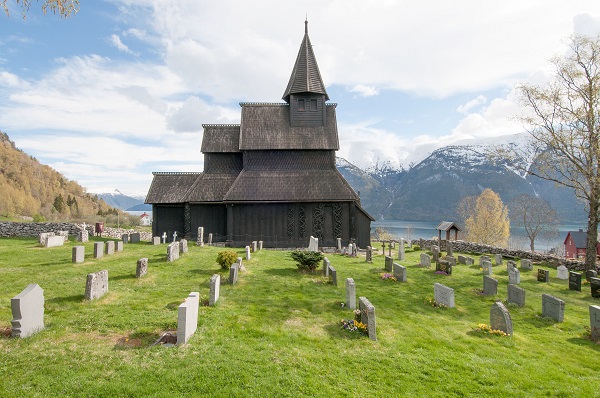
(277, 333)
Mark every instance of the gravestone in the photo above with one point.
(575, 280)
(200, 238)
(64, 234)
(510, 264)
(516, 295)
(589, 274)
(399, 272)
(240, 265)
(553, 307)
(210, 239)
(388, 263)
(500, 318)
(469, 261)
(27, 311)
(260, 245)
(392, 245)
(595, 321)
(543, 275)
(498, 259)
(595, 287)
(142, 267)
(425, 260)
(187, 317)
(451, 260)
(350, 294)
(215, 285)
(174, 236)
(125, 238)
(333, 275)
(110, 247)
(326, 264)
(354, 252)
(83, 235)
(390, 249)
(514, 276)
(233, 273)
(54, 241)
(156, 240)
(401, 251)
(526, 264)
(96, 285)
(119, 246)
(482, 259)
(78, 254)
(313, 244)
(486, 267)
(449, 249)
(248, 253)
(164, 238)
(183, 246)
(172, 251)
(462, 259)
(443, 266)
(134, 237)
(369, 254)
(339, 244)
(367, 316)
(98, 249)
(490, 286)
(254, 246)
(562, 272)
(43, 237)
(443, 295)
(435, 253)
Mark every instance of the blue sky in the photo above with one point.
(122, 88)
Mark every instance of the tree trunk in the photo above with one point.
(592, 235)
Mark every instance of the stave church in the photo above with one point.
(271, 178)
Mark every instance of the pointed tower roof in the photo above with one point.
(306, 77)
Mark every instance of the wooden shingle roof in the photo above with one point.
(267, 126)
(305, 77)
(210, 188)
(446, 225)
(170, 187)
(290, 186)
(221, 138)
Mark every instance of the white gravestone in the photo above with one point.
(562, 272)
(215, 286)
(27, 311)
(248, 253)
(187, 318)
(96, 285)
(443, 295)
(350, 294)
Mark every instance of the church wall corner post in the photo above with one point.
(187, 221)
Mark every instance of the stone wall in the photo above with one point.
(470, 247)
(13, 229)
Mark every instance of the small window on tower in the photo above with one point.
(301, 105)
(313, 104)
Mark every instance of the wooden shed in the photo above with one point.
(447, 228)
(271, 178)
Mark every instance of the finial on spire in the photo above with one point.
(306, 25)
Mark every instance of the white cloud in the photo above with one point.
(116, 42)
(475, 102)
(365, 91)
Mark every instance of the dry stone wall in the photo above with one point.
(13, 229)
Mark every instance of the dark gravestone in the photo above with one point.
(500, 318)
(399, 272)
(490, 286)
(516, 295)
(543, 275)
(367, 316)
(142, 267)
(575, 281)
(595, 287)
(389, 263)
(443, 266)
(589, 274)
(333, 275)
(233, 273)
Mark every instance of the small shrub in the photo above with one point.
(226, 258)
(306, 260)
(416, 248)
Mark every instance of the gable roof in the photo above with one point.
(170, 187)
(579, 239)
(267, 126)
(305, 77)
(210, 188)
(446, 225)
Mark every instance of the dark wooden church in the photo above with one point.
(271, 178)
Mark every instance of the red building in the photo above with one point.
(576, 244)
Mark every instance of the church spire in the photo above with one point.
(305, 77)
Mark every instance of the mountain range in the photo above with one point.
(432, 189)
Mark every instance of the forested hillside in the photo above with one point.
(29, 188)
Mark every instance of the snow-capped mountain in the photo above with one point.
(124, 202)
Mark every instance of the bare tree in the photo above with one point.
(535, 216)
(466, 208)
(64, 8)
(564, 126)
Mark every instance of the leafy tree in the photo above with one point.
(64, 8)
(59, 203)
(535, 216)
(563, 122)
(489, 223)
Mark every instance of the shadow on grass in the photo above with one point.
(335, 330)
(121, 277)
(136, 340)
(541, 322)
(67, 299)
(585, 340)
(291, 272)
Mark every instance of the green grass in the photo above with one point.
(276, 333)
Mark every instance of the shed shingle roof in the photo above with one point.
(267, 126)
(446, 225)
(170, 187)
(290, 186)
(210, 188)
(221, 138)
